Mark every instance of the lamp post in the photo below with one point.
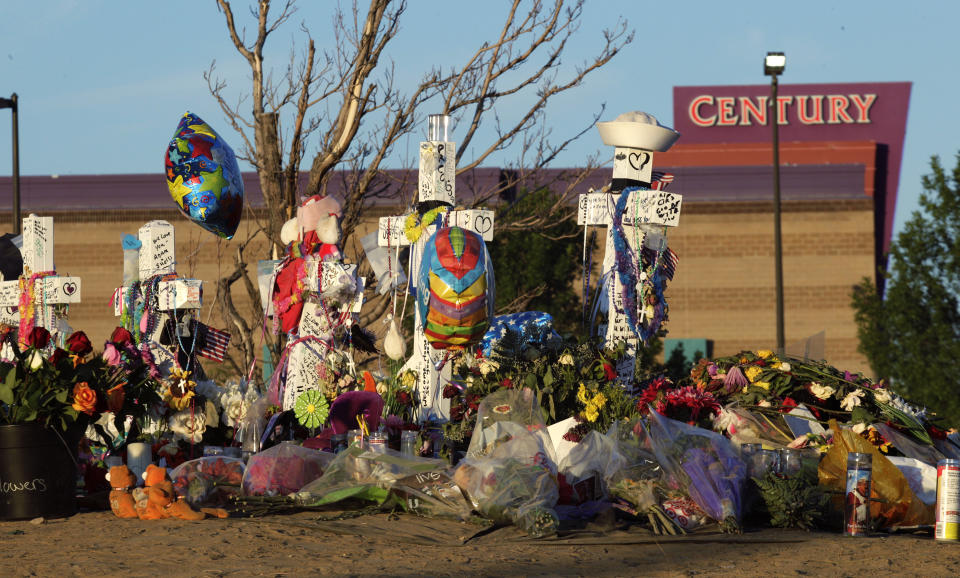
(773, 66)
(11, 103)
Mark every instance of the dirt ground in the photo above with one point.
(97, 543)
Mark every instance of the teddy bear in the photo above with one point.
(158, 500)
(314, 232)
(122, 481)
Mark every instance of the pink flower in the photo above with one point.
(111, 355)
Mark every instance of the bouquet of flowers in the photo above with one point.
(283, 469)
(208, 481)
(700, 464)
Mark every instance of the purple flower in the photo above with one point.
(734, 380)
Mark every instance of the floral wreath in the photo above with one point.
(414, 226)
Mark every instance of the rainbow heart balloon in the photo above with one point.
(203, 177)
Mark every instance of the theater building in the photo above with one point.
(841, 148)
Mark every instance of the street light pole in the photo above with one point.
(773, 67)
(11, 103)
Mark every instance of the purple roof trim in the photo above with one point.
(149, 191)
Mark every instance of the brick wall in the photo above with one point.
(723, 289)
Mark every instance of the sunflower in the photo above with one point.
(180, 390)
(311, 409)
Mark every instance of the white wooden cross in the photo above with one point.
(51, 293)
(306, 367)
(645, 216)
(157, 256)
(436, 182)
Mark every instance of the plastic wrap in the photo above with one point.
(639, 475)
(895, 504)
(743, 427)
(699, 463)
(284, 469)
(506, 414)
(209, 481)
(371, 476)
(512, 484)
(584, 471)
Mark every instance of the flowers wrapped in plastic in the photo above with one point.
(701, 464)
(419, 485)
(283, 469)
(514, 482)
(209, 481)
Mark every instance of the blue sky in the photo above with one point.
(102, 83)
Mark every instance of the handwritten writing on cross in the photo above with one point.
(436, 183)
(157, 256)
(306, 367)
(631, 167)
(50, 292)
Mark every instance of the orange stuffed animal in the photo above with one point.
(121, 502)
(159, 500)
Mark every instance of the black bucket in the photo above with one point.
(38, 476)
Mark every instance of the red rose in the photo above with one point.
(609, 371)
(79, 344)
(507, 383)
(456, 413)
(450, 391)
(788, 404)
(58, 354)
(38, 338)
(121, 336)
(403, 398)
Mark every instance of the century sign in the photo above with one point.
(710, 110)
(860, 111)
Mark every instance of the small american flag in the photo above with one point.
(668, 262)
(660, 180)
(212, 343)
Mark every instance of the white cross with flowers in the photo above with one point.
(437, 183)
(646, 215)
(51, 293)
(157, 256)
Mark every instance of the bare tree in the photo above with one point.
(344, 101)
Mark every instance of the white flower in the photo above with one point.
(6, 353)
(382, 388)
(488, 366)
(188, 425)
(881, 396)
(566, 359)
(234, 409)
(784, 366)
(763, 403)
(36, 360)
(852, 400)
(859, 428)
(821, 391)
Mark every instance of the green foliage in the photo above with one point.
(794, 502)
(33, 389)
(912, 335)
(549, 257)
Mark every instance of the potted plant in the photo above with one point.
(48, 398)
(37, 468)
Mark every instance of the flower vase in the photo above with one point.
(38, 473)
(139, 456)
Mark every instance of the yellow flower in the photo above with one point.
(752, 373)
(408, 379)
(764, 353)
(591, 412)
(599, 400)
(582, 394)
(763, 385)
